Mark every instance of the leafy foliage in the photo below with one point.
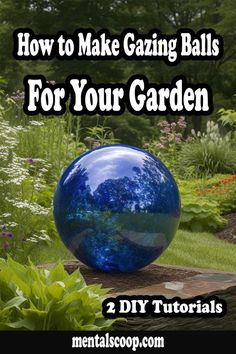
(210, 153)
(220, 189)
(33, 155)
(41, 299)
(200, 215)
(205, 200)
(22, 218)
(126, 128)
(167, 144)
(228, 116)
(51, 140)
(100, 135)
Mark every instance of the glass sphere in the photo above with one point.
(117, 208)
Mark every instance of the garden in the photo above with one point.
(200, 152)
(34, 152)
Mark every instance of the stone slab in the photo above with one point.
(168, 281)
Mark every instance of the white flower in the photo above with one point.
(36, 123)
(42, 237)
(12, 224)
(33, 207)
(32, 239)
(6, 215)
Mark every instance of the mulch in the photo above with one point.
(229, 232)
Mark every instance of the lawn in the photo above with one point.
(200, 250)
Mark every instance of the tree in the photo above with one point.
(50, 16)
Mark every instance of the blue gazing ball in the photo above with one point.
(117, 208)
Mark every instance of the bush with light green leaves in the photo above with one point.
(199, 214)
(41, 299)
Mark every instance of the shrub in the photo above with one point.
(208, 154)
(40, 299)
(22, 218)
(228, 116)
(100, 135)
(128, 129)
(199, 211)
(52, 141)
(168, 143)
(200, 214)
(221, 190)
(33, 155)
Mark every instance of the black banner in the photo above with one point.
(132, 342)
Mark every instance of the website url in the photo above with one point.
(111, 341)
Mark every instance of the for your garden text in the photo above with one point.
(137, 94)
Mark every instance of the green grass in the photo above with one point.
(200, 250)
(54, 252)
